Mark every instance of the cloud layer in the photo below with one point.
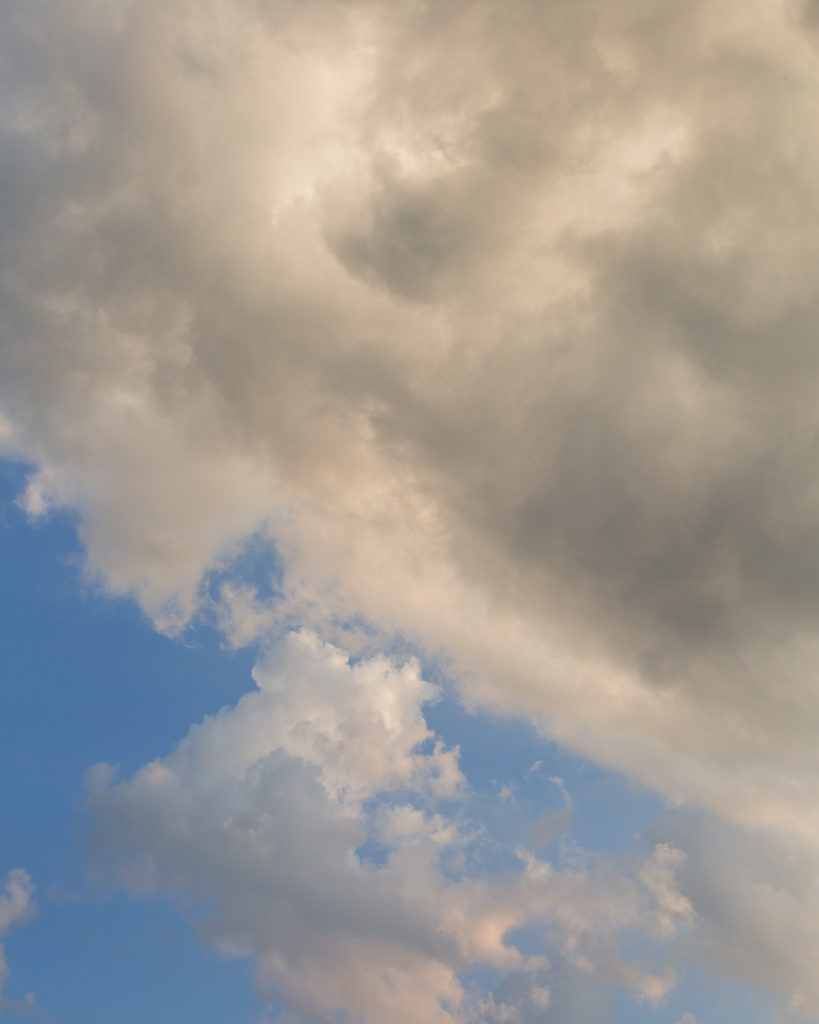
(498, 318)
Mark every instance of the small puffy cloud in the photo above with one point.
(16, 907)
(359, 724)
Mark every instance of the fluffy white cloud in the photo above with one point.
(309, 818)
(500, 318)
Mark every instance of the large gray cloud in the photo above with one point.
(500, 317)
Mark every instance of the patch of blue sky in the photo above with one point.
(256, 563)
(104, 957)
(514, 767)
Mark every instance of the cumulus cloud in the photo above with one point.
(314, 819)
(500, 319)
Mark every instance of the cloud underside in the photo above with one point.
(499, 319)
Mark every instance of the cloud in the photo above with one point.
(518, 999)
(752, 903)
(501, 369)
(501, 321)
(243, 618)
(314, 820)
(16, 907)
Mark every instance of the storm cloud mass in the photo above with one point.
(499, 320)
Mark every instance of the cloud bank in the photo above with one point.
(499, 319)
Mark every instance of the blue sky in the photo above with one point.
(408, 511)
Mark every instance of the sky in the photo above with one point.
(410, 534)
